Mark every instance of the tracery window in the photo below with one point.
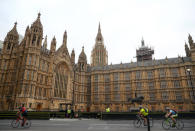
(177, 84)
(150, 74)
(116, 75)
(151, 85)
(175, 72)
(139, 85)
(138, 75)
(162, 73)
(163, 84)
(165, 96)
(107, 78)
(127, 75)
(61, 80)
(34, 39)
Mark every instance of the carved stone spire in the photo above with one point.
(73, 57)
(99, 55)
(38, 21)
(65, 38)
(53, 45)
(13, 31)
(45, 42)
(191, 42)
(82, 63)
(99, 38)
(82, 56)
(11, 39)
(99, 28)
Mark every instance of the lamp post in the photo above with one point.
(191, 84)
(73, 97)
(139, 100)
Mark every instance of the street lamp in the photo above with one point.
(191, 84)
(73, 97)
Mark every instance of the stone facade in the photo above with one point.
(32, 75)
(43, 79)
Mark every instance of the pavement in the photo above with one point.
(90, 125)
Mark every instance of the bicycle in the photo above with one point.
(17, 122)
(140, 121)
(167, 123)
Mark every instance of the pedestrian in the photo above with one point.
(72, 113)
(69, 113)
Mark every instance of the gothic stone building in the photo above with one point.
(43, 79)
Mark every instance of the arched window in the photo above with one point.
(8, 46)
(38, 41)
(34, 39)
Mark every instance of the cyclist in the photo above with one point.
(22, 114)
(143, 112)
(172, 114)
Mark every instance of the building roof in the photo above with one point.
(167, 61)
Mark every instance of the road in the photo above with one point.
(90, 125)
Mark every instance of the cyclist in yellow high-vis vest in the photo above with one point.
(143, 112)
(108, 109)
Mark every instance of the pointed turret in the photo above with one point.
(53, 45)
(99, 28)
(65, 38)
(190, 51)
(36, 32)
(82, 62)
(82, 56)
(13, 31)
(73, 57)
(45, 43)
(37, 22)
(11, 39)
(99, 38)
(191, 42)
(187, 50)
(99, 55)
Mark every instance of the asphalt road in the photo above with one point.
(90, 125)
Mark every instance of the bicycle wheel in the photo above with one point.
(166, 124)
(179, 124)
(15, 123)
(27, 124)
(137, 123)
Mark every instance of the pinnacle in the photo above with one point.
(39, 14)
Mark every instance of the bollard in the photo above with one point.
(148, 123)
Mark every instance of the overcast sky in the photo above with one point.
(164, 24)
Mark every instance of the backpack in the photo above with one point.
(146, 110)
(174, 111)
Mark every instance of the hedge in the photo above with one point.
(99, 115)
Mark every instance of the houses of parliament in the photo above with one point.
(45, 79)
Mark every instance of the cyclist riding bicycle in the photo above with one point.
(22, 114)
(172, 114)
(143, 112)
